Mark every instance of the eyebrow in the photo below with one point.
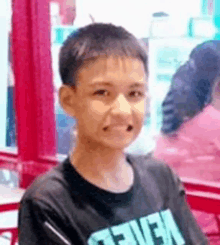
(140, 84)
(137, 85)
(100, 83)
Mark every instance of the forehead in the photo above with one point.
(112, 69)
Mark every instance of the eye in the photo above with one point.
(101, 92)
(136, 94)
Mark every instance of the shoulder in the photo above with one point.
(148, 164)
(47, 186)
(147, 161)
(157, 171)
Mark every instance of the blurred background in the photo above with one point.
(169, 29)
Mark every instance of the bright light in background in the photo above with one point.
(136, 15)
(133, 15)
(5, 26)
(180, 8)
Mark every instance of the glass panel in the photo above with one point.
(9, 178)
(155, 28)
(167, 55)
(8, 174)
(62, 17)
(7, 123)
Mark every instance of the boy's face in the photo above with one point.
(109, 101)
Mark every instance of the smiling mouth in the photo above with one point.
(129, 128)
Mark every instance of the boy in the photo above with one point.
(99, 195)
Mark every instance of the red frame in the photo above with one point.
(34, 100)
(13, 231)
(202, 195)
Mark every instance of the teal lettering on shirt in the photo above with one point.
(159, 230)
(146, 230)
(137, 232)
(172, 227)
(123, 234)
(102, 237)
(164, 231)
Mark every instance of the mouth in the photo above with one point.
(129, 127)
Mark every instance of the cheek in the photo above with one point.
(140, 108)
(98, 108)
(92, 113)
(95, 113)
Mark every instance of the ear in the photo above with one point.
(67, 99)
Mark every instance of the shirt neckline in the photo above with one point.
(77, 181)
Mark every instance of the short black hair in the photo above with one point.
(191, 86)
(94, 41)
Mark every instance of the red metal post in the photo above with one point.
(34, 100)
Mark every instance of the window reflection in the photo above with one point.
(10, 123)
(169, 38)
(9, 178)
(7, 123)
(62, 20)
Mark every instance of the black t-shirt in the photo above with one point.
(61, 207)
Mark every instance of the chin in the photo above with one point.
(118, 145)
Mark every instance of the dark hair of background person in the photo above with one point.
(191, 86)
(94, 41)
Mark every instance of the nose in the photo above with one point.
(121, 106)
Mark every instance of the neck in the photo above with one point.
(95, 160)
(102, 166)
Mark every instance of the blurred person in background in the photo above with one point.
(190, 133)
